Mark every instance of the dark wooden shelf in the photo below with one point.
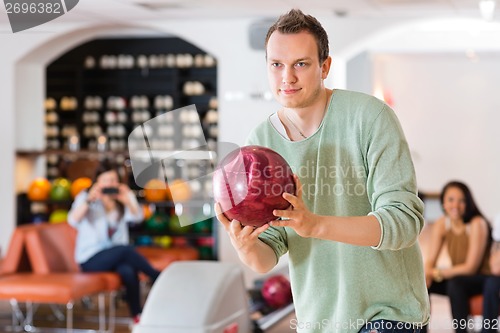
(169, 204)
(80, 153)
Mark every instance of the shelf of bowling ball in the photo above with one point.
(163, 219)
(50, 202)
(113, 132)
(108, 87)
(121, 130)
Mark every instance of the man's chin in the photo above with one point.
(289, 102)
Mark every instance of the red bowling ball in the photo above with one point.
(249, 183)
(277, 291)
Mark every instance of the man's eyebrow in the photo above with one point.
(297, 60)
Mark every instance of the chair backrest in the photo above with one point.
(51, 248)
(16, 258)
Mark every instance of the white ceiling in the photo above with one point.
(242, 8)
(126, 10)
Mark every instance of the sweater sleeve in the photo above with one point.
(276, 239)
(391, 183)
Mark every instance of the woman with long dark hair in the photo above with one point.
(100, 216)
(467, 235)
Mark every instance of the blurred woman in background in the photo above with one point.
(467, 236)
(101, 216)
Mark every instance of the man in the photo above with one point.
(351, 233)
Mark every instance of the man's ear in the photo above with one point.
(325, 67)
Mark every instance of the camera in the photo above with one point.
(110, 190)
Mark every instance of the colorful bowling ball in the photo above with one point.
(202, 225)
(144, 240)
(179, 191)
(276, 291)
(249, 183)
(61, 190)
(39, 189)
(205, 248)
(39, 218)
(155, 190)
(58, 216)
(79, 185)
(175, 226)
(157, 222)
(180, 242)
(163, 241)
(147, 211)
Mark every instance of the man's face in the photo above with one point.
(293, 68)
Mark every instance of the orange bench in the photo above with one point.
(50, 248)
(160, 258)
(55, 288)
(18, 283)
(47, 252)
(16, 259)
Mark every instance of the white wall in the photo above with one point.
(359, 77)
(13, 48)
(449, 107)
(445, 99)
(7, 205)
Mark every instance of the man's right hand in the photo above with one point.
(243, 238)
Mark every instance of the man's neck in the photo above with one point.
(307, 119)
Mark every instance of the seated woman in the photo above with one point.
(100, 216)
(467, 236)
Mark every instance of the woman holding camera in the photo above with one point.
(100, 215)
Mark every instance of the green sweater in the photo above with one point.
(357, 163)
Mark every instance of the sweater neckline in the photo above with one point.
(279, 128)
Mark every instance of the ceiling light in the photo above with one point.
(487, 8)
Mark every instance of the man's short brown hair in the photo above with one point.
(296, 21)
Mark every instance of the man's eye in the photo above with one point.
(275, 64)
(301, 64)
